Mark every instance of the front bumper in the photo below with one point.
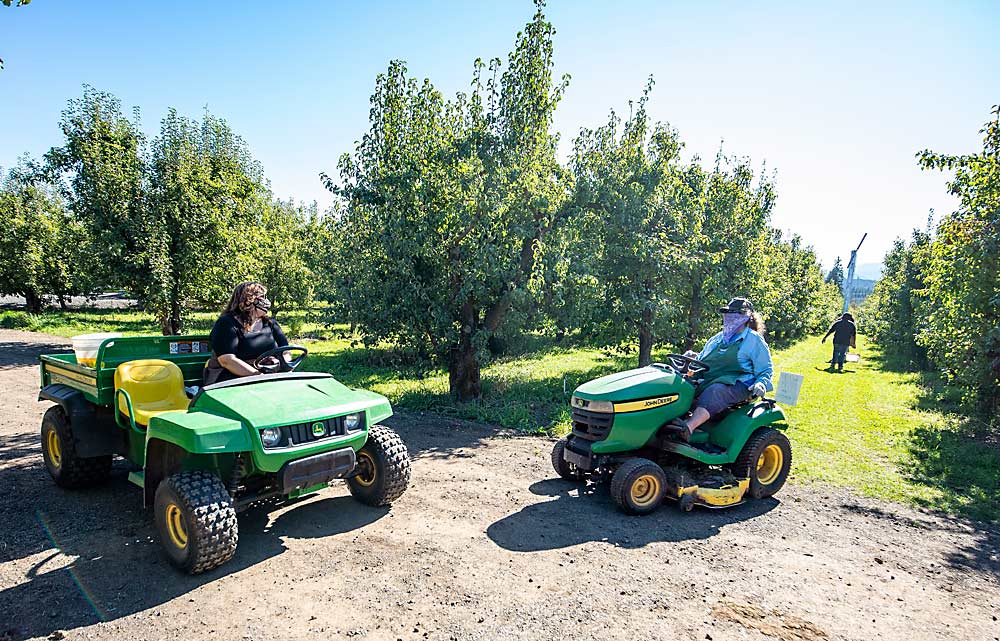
(314, 470)
(577, 452)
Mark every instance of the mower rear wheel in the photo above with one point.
(564, 468)
(66, 467)
(383, 468)
(196, 520)
(638, 486)
(766, 460)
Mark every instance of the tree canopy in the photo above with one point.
(448, 203)
(938, 302)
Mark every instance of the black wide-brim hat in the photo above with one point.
(737, 306)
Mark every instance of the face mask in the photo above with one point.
(262, 304)
(732, 324)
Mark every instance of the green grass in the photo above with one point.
(879, 432)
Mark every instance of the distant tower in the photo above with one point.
(849, 283)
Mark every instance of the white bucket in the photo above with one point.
(86, 346)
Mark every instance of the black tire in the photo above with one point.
(59, 453)
(383, 469)
(196, 520)
(638, 486)
(757, 462)
(564, 468)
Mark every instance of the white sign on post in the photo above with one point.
(789, 386)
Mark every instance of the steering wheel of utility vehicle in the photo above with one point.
(686, 366)
(279, 364)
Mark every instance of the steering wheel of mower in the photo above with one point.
(282, 365)
(685, 366)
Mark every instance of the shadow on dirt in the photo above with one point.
(582, 513)
(19, 446)
(980, 554)
(439, 437)
(86, 575)
(92, 555)
(17, 354)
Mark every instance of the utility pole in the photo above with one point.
(849, 284)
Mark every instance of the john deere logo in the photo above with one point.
(647, 404)
(318, 429)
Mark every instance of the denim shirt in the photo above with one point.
(754, 357)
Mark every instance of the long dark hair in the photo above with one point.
(241, 302)
(757, 323)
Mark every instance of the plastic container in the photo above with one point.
(86, 346)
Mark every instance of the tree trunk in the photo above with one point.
(646, 338)
(33, 301)
(463, 372)
(694, 314)
(170, 319)
(463, 367)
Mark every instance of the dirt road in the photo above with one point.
(484, 545)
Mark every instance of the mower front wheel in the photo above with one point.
(383, 472)
(564, 468)
(638, 486)
(766, 460)
(196, 520)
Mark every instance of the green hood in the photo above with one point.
(644, 382)
(288, 401)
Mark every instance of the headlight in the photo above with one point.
(352, 421)
(606, 407)
(270, 436)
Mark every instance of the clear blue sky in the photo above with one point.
(836, 99)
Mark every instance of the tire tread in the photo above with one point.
(746, 462)
(388, 448)
(75, 471)
(213, 530)
(561, 466)
(621, 483)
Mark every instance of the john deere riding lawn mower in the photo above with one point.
(625, 429)
(201, 460)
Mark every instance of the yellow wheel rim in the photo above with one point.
(366, 470)
(769, 464)
(54, 448)
(645, 490)
(175, 526)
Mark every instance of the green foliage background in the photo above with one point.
(938, 302)
(457, 235)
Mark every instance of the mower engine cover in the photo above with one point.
(628, 408)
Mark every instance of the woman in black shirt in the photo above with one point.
(242, 334)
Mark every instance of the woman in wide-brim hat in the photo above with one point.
(739, 364)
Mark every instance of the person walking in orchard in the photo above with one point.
(844, 334)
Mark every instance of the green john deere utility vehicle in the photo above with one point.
(624, 429)
(202, 459)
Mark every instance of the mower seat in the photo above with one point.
(154, 386)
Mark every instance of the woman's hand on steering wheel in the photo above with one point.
(273, 360)
(686, 366)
